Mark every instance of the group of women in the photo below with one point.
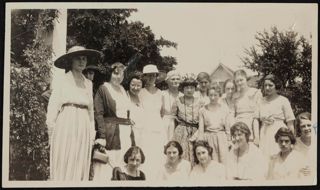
(193, 130)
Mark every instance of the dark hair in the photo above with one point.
(204, 144)
(204, 75)
(174, 144)
(216, 88)
(241, 73)
(134, 75)
(225, 84)
(241, 126)
(134, 150)
(283, 131)
(301, 116)
(275, 80)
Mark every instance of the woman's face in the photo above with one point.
(90, 75)
(284, 143)
(229, 89)
(202, 155)
(306, 128)
(134, 161)
(172, 154)
(117, 74)
(189, 91)
(213, 96)
(203, 84)
(135, 86)
(174, 81)
(150, 78)
(239, 139)
(269, 88)
(241, 82)
(79, 63)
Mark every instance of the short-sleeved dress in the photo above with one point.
(215, 131)
(231, 110)
(70, 114)
(245, 107)
(188, 123)
(273, 115)
(168, 114)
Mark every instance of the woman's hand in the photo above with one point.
(305, 171)
(102, 142)
(256, 142)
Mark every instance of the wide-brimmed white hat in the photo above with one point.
(64, 60)
(150, 69)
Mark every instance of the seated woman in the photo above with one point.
(175, 167)
(286, 164)
(133, 158)
(206, 168)
(244, 161)
(306, 145)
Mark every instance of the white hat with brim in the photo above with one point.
(150, 69)
(63, 60)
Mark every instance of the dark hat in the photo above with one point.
(63, 60)
(188, 80)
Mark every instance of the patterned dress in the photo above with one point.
(188, 120)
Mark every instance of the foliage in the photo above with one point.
(30, 68)
(289, 58)
(110, 31)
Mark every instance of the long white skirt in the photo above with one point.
(70, 151)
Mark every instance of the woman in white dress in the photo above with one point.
(229, 88)
(137, 113)
(306, 145)
(173, 80)
(245, 161)
(206, 169)
(175, 168)
(285, 165)
(274, 112)
(153, 135)
(204, 81)
(111, 104)
(70, 118)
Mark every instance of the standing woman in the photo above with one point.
(213, 126)
(274, 112)
(111, 103)
(187, 112)
(153, 132)
(206, 169)
(247, 100)
(169, 97)
(137, 113)
(70, 118)
(229, 88)
(204, 80)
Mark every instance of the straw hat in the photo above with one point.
(188, 80)
(150, 69)
(63, 60)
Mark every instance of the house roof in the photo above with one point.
(224, 67)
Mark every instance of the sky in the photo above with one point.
(208, 33)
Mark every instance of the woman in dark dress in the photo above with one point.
(133, 158)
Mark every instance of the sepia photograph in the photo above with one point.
(160, 94)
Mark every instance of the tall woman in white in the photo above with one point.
(153, 138)
(70, 118)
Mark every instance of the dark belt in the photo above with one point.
(75, 105)
(187, 124)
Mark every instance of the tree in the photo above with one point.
(287, 57)
(109, 31)
(30, 67)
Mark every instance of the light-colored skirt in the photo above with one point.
(168, 121)
(70, 151)
(219, 143)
